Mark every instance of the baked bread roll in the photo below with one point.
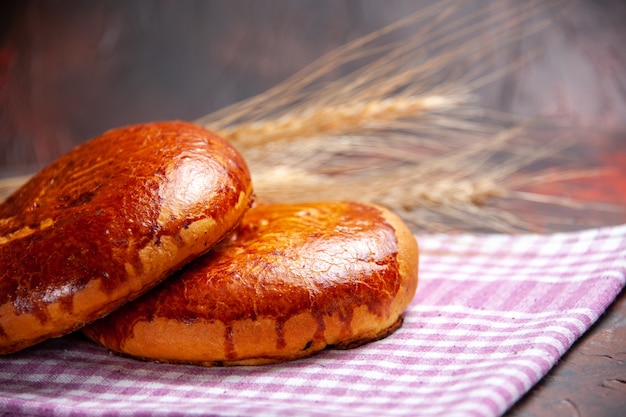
(290, 281)
(108, 221)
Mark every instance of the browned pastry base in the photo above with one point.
(110, 220)
(290, 281)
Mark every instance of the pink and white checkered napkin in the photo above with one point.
(492, 315)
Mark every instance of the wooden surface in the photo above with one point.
(70, 70)
(590, 380)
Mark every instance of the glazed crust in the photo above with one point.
(108, 221)
(290, 281)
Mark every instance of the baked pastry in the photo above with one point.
(290, 281)
(109, 220)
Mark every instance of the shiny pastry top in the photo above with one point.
(108, 221)
(291, 280)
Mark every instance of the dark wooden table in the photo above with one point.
(71, 69)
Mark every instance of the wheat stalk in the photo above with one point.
(401, 127)
(9, 185)
(336, 119)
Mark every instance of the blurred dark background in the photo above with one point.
(71, 69)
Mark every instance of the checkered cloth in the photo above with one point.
(492, 315)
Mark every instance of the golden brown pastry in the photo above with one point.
(108, 221)
(290, 281)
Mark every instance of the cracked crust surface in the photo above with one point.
(108, 221)
(290, 281)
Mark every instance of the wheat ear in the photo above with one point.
(402, 129)
(336, 119)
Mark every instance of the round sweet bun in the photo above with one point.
(109, 220)
(290, 281)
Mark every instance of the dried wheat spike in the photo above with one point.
(336, 120)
